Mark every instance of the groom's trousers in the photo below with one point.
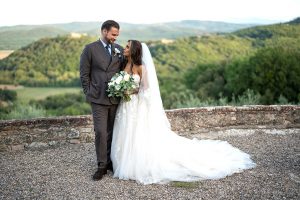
(103, 117)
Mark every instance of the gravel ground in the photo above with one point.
(64, 172)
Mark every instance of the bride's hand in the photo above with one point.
(129, 92)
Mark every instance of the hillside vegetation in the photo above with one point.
(259, 65)
(47, 62)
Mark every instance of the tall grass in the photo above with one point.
(24, 111)
(247, 98)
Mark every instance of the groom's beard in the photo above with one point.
(111, 41)
(108, 41)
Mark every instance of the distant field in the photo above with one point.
(10, 87)
(37, 93)
(5, 53)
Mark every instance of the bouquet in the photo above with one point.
(120, 85)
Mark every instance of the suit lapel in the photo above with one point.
(113, 49)
(114, 56)
(105, 54)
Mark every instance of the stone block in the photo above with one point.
(90, 138)
(3, 148)
(74, 141)
(37, 145)
(18, 147)
(86, 130)
(73, 134)
(52, 143)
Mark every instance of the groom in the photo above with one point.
(99, 61)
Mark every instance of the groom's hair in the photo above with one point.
(108, 24)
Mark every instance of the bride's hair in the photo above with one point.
(136, 52)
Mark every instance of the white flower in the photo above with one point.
(110, 83)
(126, 77)
(117, 51)
(118, 80)
(119, 85)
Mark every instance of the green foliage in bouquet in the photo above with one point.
(121, 85)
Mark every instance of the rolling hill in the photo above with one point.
(204, 66)
(54, 61)
(12, 39)
(47, 62)
(15, 37)
(288, 29)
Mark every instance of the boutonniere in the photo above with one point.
(117, 51)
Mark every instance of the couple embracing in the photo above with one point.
(133, 138)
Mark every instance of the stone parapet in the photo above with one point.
(41, 132)
(226, 117)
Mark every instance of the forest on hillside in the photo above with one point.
(259, 65)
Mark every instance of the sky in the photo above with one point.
(25, 12)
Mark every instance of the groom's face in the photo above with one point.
(110, 35)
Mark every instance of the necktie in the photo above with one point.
(107, 49)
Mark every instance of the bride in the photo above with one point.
(146, 150)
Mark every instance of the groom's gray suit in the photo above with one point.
(97, 67)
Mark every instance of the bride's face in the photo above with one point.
(127, 50)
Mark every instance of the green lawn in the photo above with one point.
(27, 93)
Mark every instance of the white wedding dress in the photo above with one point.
(146, 150)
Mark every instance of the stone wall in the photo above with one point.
(44, 132)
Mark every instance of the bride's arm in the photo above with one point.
(139, 72)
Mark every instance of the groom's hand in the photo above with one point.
(85, 70)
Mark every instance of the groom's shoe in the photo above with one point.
(110, 167)
(99, 173)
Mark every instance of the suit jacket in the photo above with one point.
(96, 70)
